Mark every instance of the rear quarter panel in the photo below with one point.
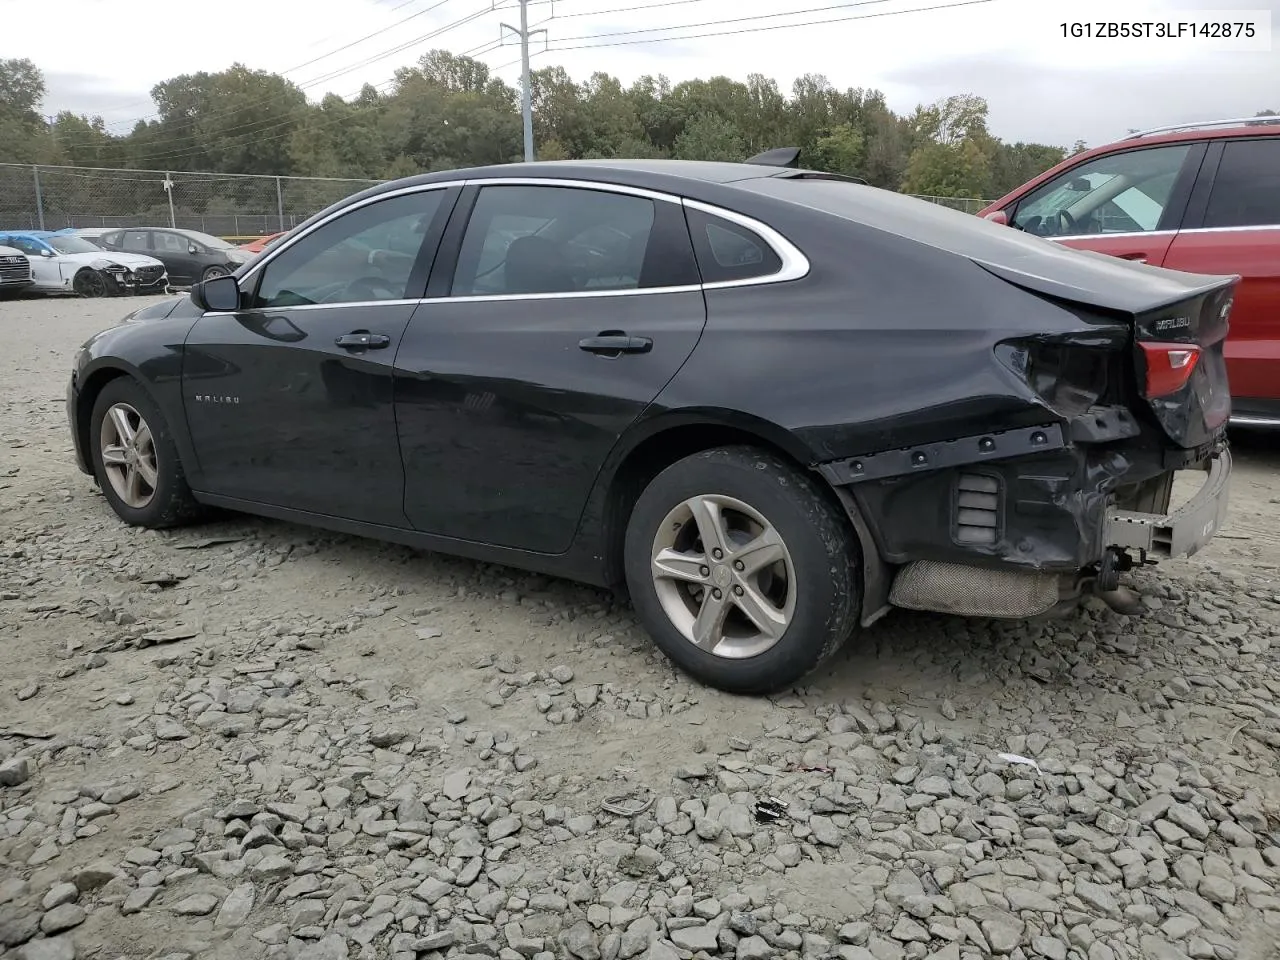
(886, 343)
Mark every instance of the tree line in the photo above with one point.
(449, 111)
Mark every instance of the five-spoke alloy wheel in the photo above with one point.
(128, 454)
(135, 460)
(742, 569)
(723, 576)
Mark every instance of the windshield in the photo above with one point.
(71, 244)
(213, 243)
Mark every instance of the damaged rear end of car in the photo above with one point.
(1056, 401)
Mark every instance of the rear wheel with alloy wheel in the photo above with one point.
(743, 572)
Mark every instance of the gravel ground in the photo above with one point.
(251, 739)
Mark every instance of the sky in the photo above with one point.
(1041, 86)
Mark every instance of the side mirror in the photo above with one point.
(46, 252)
(192, 248)
(998, 216)
(220, 294)
(1080, 185)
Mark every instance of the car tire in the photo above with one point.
(89, 283)
(211, 272)
(766, 511)
(142, 478)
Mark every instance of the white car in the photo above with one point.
(65, 263)
(15, 270)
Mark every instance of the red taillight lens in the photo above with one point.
(1169, 366)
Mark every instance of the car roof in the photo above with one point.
(27, 234)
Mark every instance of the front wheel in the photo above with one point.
(743, 573)
(90, 283)
(135, 459)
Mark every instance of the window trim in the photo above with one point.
(795, 265)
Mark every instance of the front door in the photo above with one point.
(289, 399)
(174, 250)
(567, 311)
(1239, 232)
(1125, 204)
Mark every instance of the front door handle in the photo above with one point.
(1134, 257)
(615, 342)
(363, 340)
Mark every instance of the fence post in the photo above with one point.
(168, 189)
(280, 202)
(35, 173)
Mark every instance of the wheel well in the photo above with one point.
(654, 454)
(88, 396)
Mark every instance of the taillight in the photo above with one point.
(1169, 366)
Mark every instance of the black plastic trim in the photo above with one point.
(1000, 445)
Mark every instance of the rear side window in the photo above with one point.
(1246, 191)
(727, 251)
(134, 240)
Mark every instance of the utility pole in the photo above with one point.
(526, 95)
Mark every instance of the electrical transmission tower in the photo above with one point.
(526, 92)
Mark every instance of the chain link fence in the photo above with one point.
(234, 206)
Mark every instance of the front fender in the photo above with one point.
(151, 353)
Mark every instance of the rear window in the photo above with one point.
(727, 251)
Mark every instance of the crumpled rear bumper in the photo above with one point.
(1183, 531)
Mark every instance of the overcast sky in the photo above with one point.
(1040, 86)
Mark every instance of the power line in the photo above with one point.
(462, 21)
(271, 123)
(742, 30)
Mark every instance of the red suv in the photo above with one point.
(1204, 198)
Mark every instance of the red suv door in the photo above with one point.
(1127, 203)
(1232, 225)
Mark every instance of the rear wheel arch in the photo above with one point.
(663, 446)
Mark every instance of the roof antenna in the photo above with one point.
(778, 157)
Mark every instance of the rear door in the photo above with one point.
(1126, 204)
(1233, 226)
(556, 315)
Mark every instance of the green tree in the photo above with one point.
(24, 137)
(840, 151)
(709, 137)
(948, 170)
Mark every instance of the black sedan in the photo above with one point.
(188, 255)
(769, 403)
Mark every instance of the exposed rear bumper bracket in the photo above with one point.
(1187, 529)
(999, 445)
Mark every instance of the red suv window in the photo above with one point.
(1246, 190)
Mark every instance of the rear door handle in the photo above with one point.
(363, 340)
(613, 342)
(1134, 257)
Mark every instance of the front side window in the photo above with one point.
(171, 243)
(28, 246)
(1117, 193)
(1246, 190)
(532, 239)
(365, 255)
